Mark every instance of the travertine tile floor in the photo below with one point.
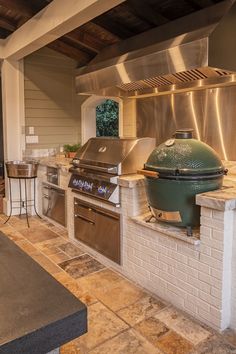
(123, 318)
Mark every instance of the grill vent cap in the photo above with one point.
(184, 133)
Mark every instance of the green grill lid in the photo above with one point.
(185, 156)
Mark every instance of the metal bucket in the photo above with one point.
(22, 169)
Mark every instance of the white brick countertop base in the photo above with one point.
(196, 274)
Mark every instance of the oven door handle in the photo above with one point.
(78, 216)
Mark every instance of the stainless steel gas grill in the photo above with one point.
(100, 162)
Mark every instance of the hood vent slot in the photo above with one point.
(182, 77)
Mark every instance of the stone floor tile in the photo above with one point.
(38, 234)
(5, 228)
(63, 277)
(191, 331)
(51, 246)
(151, 329)
(230, 336)
(215, 345)
(59, 257)
(13, 234)
(173, 343)
(70, 348)
(140, 310)
(71, 250)
(170, 316)
(26, 246)
(81, 266)
(103, 324)
(123, 294)
(103, 279)
(80, 293)
(45, 263)
(128, 342)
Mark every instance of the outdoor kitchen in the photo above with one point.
(136, 222)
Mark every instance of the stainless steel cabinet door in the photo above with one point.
(84, 218)
(54, 204)
(107, 235)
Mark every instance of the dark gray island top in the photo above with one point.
(37, 314)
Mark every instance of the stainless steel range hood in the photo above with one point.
(194, 51)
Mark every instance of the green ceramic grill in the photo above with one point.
(175, 172)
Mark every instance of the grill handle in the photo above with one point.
(148, 173)
(112, 169)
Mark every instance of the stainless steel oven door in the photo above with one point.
(54, 204)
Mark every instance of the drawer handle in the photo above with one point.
(83, 218)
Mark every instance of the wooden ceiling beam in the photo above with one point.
(145, 11)
(113, 26)
(102, 35)
(60, 46)
(200, 4)
(18, 6)
(85, 40)
(7, 25)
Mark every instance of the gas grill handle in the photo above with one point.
(98, 168)
(83, 218)
(148, 173)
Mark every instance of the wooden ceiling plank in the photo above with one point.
(18, 6)
(7, 25)
(113, 26)
(85, 40)
(60, 46)
(146, 12)
(102, 35)
(200, 4)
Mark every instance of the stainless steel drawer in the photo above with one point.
(54, 204)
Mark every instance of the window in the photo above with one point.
(89, 116)
(107, 118)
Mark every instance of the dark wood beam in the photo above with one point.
(102, 35)
(200, 4)
(113, 26)
(18, 6)
(85, 40)
(7, 24)
(60, 46)
(145, 11)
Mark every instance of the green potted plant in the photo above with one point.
(71, 149)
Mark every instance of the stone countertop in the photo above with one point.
(131, 181)
(221, 199)
(37, 313)
(167, 229)
(60, 162)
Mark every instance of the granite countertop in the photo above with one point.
(56, 161)
(221, 199)
(131, 181)
(167, 229)
(37, 313)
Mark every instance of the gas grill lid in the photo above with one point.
(114, 155)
